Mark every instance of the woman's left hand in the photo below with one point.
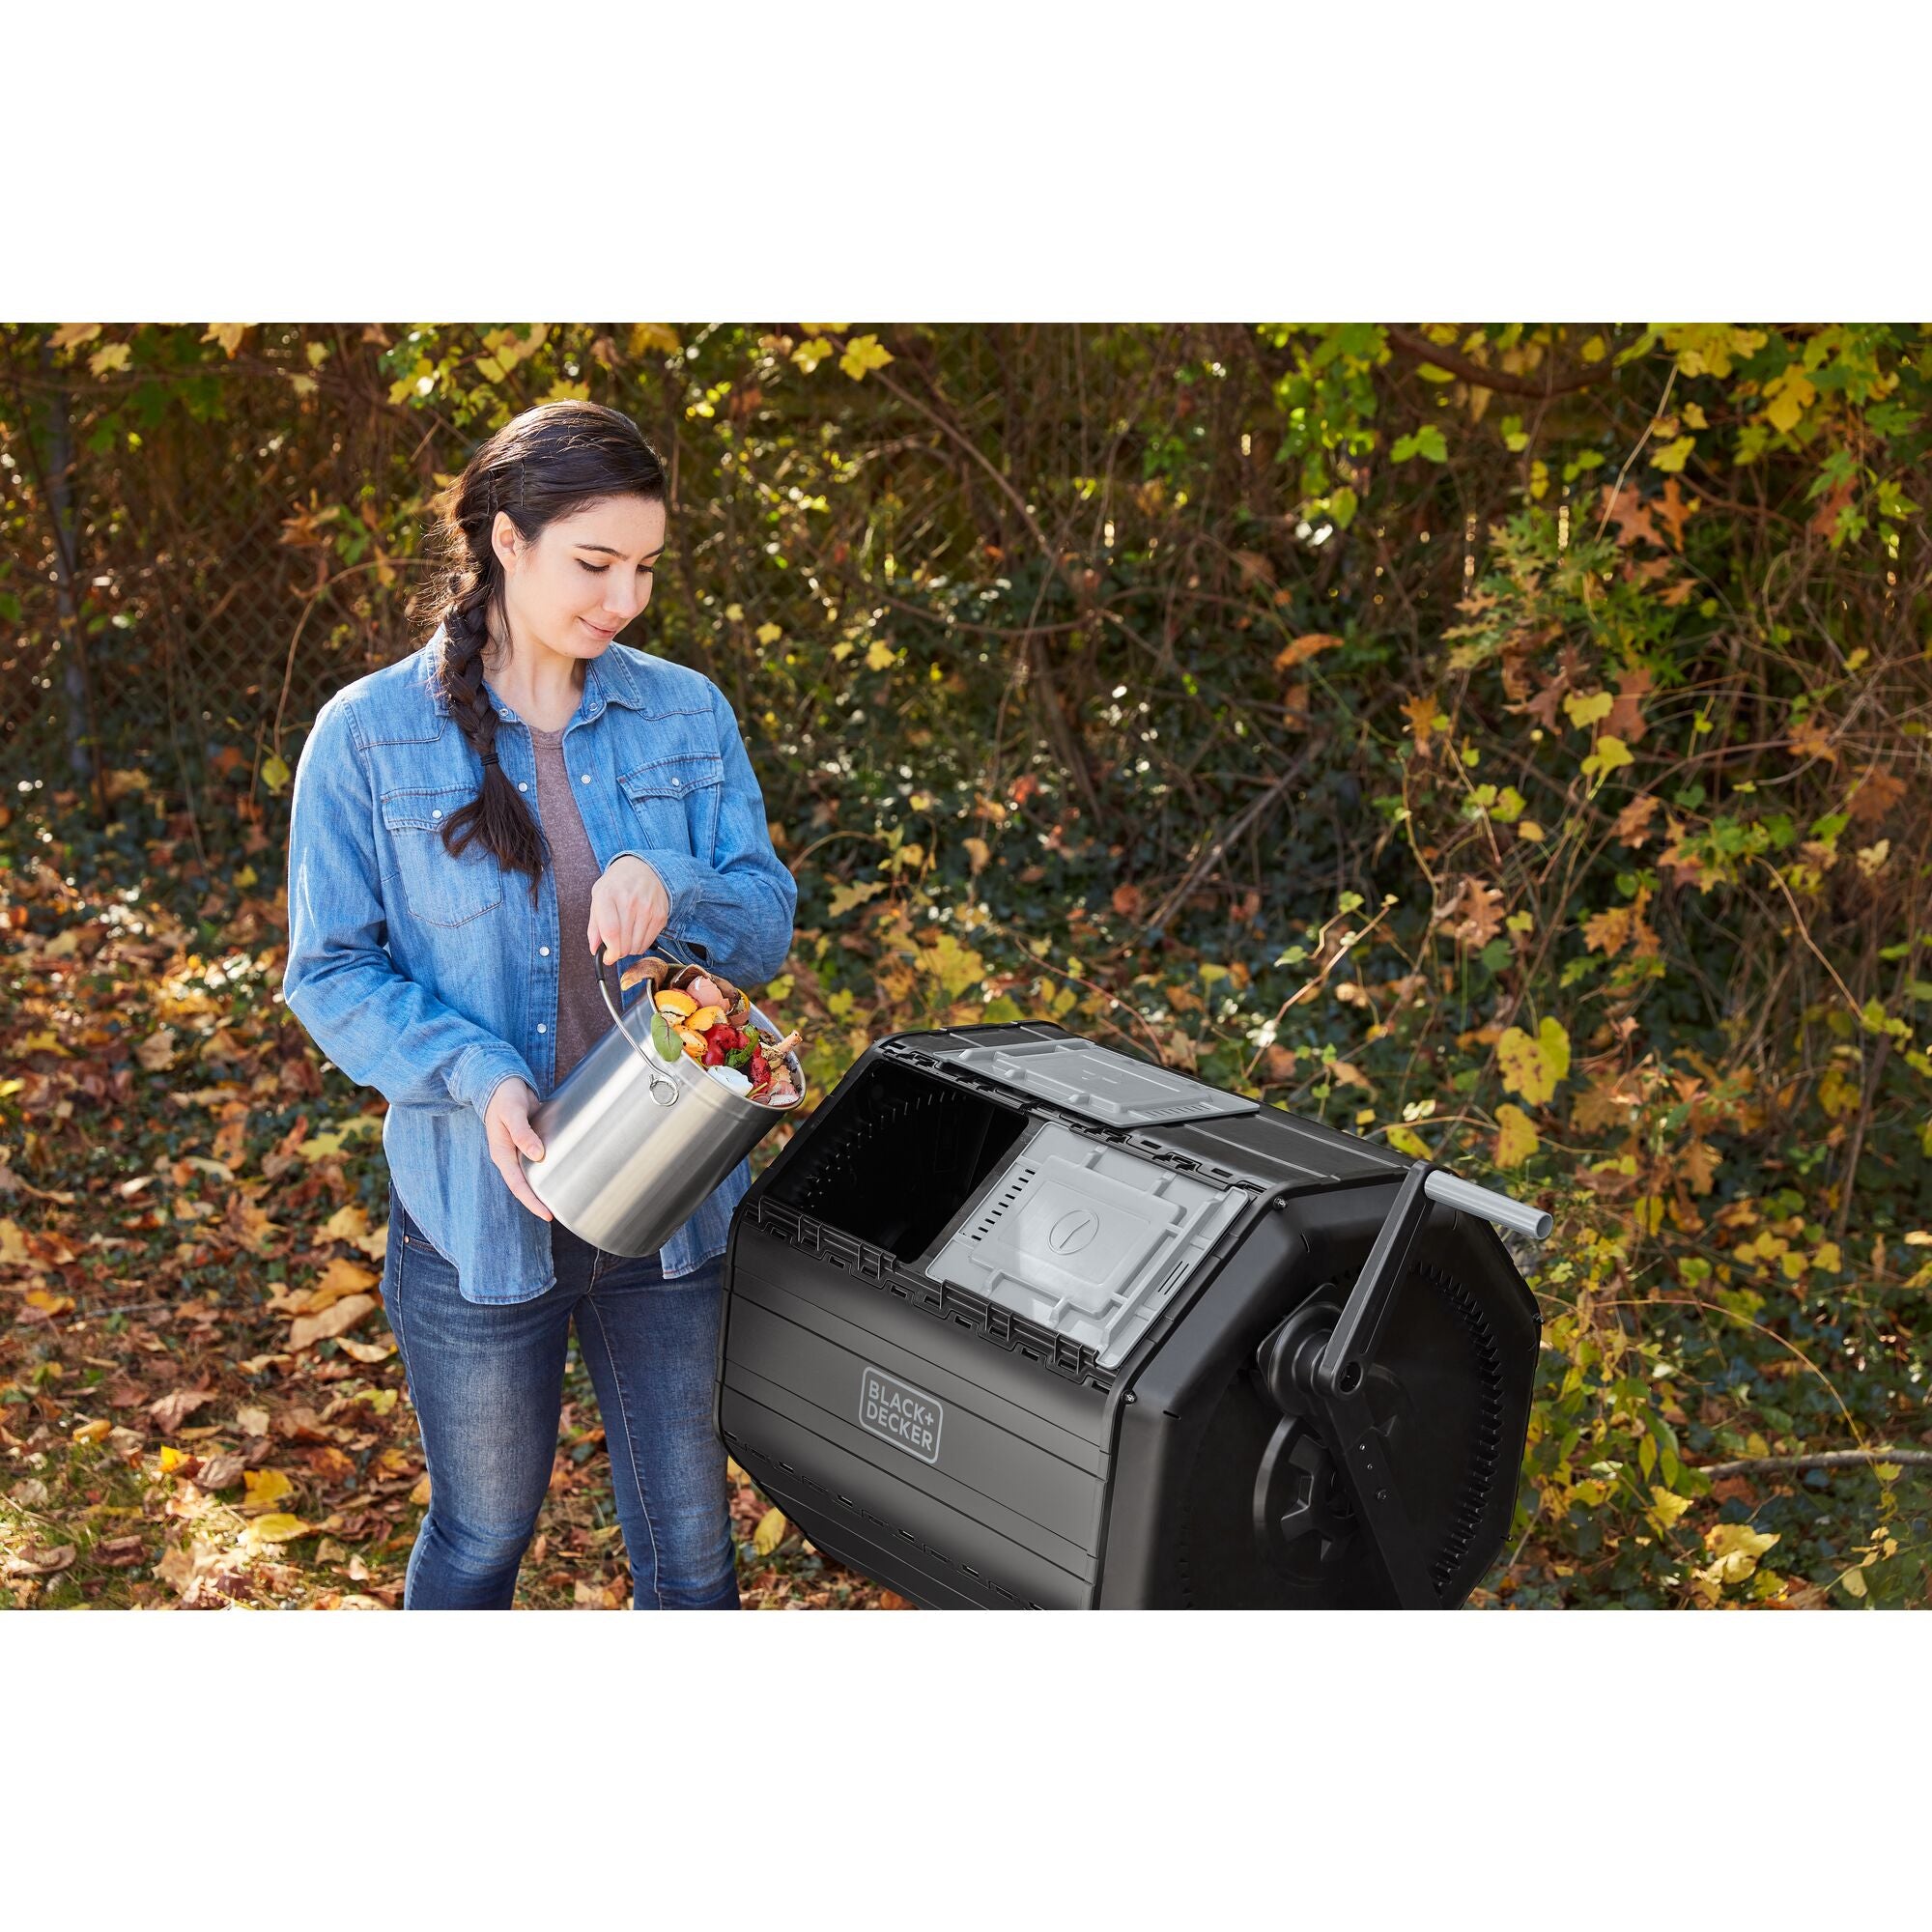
(628, 908)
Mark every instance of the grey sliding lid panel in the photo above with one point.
(1089, 1241)
(1097, 1082)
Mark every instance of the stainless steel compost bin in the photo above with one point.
(1018, 1320)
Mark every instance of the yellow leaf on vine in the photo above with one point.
(1610, 754)
(1530, 1066)
(1787, 396)
(864, 353)
(1516, 1136)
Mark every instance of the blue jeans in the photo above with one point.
(487, 1381)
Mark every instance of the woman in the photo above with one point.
(521, 746)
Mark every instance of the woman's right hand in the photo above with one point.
(507, 1124)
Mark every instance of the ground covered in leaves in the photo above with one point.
(201, 1405)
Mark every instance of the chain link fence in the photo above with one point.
(171, 600)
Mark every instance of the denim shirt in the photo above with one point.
(434, 979)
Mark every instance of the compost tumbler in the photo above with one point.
(1016, 1319)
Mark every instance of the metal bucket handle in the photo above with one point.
(607, 972)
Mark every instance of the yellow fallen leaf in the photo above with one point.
(48, 1303)
(340, 1279)
(265, 1488)
(419, 1496)
(365, 1351)
(1735, 1548)
(336, 1319)
(348, 1223)
(770, 1532)
(278, 1528)
(91, 1432)
(172, 1458)
(43, 1042)
(14, 1246)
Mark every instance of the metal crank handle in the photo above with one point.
(1469, 1199)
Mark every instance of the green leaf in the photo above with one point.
(665, 1040)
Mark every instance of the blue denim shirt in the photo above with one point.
(433, 979)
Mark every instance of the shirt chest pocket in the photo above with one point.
(440, 887)
(674, 802)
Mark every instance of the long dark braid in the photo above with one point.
(545, 464)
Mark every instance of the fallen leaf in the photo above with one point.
(172, 1411)
(308, 1329)
(33, 1561)
(218, 1473)
(339, 1280)
(770, 1532)
(265, 1488)
(278, 1528)
(252, 1421)
(156, 1053)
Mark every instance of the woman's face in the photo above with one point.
(585, 575)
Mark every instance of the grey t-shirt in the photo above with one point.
(581, 1017)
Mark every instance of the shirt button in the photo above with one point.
(676, 782)
(587, 778)
(521, 787)
(435, 814)
(541, 1028)
(545, 951)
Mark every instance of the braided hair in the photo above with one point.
(548, 463)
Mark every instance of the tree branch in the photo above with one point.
(1420, 348)
(1830, 1458)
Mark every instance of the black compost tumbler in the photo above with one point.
(1016, 1319)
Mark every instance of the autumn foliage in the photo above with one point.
(1507, 742)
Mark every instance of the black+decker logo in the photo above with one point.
(902, 1414)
